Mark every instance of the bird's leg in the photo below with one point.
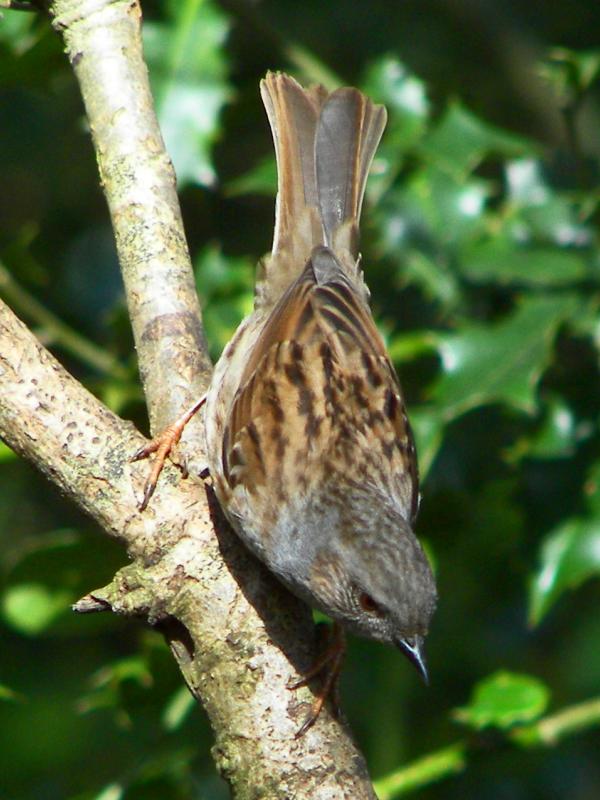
(329, 661)
(162, 444)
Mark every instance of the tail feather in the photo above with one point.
(324, 143)
(348, 132)
(293, 115)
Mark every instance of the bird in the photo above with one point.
(308, 442)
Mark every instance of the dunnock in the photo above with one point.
(308, 442)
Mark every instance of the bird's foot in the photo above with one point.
(329, 662)
(162, 445)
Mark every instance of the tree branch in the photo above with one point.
(103, 43)
(237, 635)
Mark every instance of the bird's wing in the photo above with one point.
(319, 379)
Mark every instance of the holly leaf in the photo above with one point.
(460, 142)
(503, 700)
(501, 261)
(404, 96)
(188, 68)
(500, 363)
(569, 555)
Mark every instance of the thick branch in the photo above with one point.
(238, 637)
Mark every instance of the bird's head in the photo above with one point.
(374, 578)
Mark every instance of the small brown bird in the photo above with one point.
(309, 445)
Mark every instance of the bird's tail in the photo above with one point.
(324, 143)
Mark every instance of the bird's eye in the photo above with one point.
(368, 604)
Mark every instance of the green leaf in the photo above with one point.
(570, 554)
(114, 791)
(389, 82)
(557, 436)
(451, 206)
(428, 427)
(177, 709)
(417, 223)
(47, 574)
(503, 700)
(9, 695)
(500, 261)
(226, 287)
(111, 684)
(19, 32)
(571, 72)
(404, 96)
(188, 68)
(131, 668)
(461, 141)
(525, 182)
(32, 607)
(538, 213)
(501, 363)
(433, 276)
(6, 454)
(260, 179)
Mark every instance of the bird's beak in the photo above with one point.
(413, 648)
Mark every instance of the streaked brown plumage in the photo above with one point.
(309, 445)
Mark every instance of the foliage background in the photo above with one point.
(481, 250)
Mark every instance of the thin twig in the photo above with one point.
(545, 732)
(57, 331)
(422, 772)
(550, 730)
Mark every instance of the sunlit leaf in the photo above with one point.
(226, 287)
(428, 427)
(433, 276)
(32, 607)
(452, 207)
(403, 94)
(114, 791)
(47, 574)
(177, 709)
(571, 72)
(188, 70)
(6, 454)
(502, 700)
(113, 683)
(556, 437)
(538, 213)
(501, 261)
(501, 362)
(570, 554)
(461, 141)
(9, 695)
(132, 668)
(260, 179)
(525, 182)
(19, 32)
